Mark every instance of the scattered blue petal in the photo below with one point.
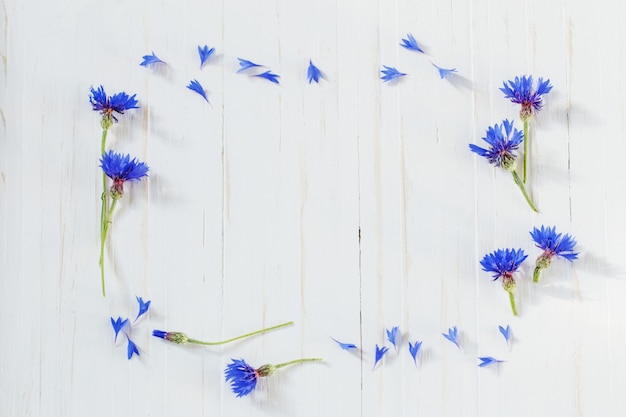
(392, 336)
(118, 325)
(411, 44)
(345, 346)
(506, 332)
(488, 360)
(205, 53)
(414, 350)
(520, 91)
(194, 85)
(106, 105)
(151, 59)
(553, 243)
(313, 73)
(132, 348)
(121, 168)
(242, 377)
(452, 336)
(390, 73)
(380, 352)
(143, 307)
(503, 140)
(244, 64)
(443, 72)
(503, 262)
(269, 76)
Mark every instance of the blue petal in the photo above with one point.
(345, 346)
(204, 53)
(411, 44)
(414, 349)
(392, 336)
(506, 332)
(118, 325)
(159, 333)
(244, 64)
(452, 336)
(443, 72)
(143, 307)
(313, 73)
(380, 352)
(132, 348)
(390, 73)
(151, 59)
(488, 360)
(269, 76)
(195, 86)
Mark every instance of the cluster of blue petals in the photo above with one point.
(503, 262)
(520, 91)
(242, 377)
(125, 326)
(554, 243)
(106, 105)
(120, 167)
(503, 140)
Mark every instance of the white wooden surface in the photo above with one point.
(252, 211)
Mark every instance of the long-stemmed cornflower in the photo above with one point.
(107, 106)
(520, 91)
(503, 140)
(552, 244)
(120, 168)
(504, 263)
(181, 338)
(243, 377)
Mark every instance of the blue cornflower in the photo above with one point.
(520, 91)
(108, 105)
(268, 76)
(204, 53)
(380, 352)
(143, 307)
(488, 360)
(411, 44)
(390, 73)
(392, 336)
(414, 350)
(243, 377)
(503, 140)
(506, 333)
(194, 85)
(132, 348)
(345, 346)
(452, 336)
(553, 244)
(118, 325)
(503, 263)
(244, 64)
(443, 72)
(121, 168)
(151, 59)
(313, 73)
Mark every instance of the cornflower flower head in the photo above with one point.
(390, 73)
(411, 44)
(205, 53)
(503, 140)
(120, 168)
(503, 263)
(109, 105)
(393, 335)
(520, 91)
(553, 244)
(243, 378)
(151, 59)
(313, 73)
(181, 338)
(194, 85)
(443, 72)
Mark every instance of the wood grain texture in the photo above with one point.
(349, 206)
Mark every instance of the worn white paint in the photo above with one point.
(252, 211)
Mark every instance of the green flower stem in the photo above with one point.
(526, 140)
(512, 301)
(104, 183)
(199, 342)
(519, 183)
(103, 237)
(536, 274)
(282, 365)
